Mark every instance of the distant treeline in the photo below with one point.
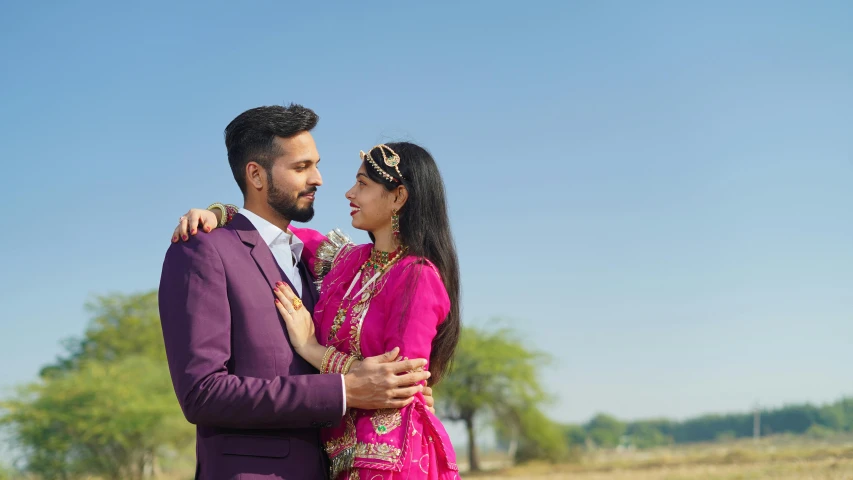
(818, 421)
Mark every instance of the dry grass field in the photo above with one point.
(780, 459)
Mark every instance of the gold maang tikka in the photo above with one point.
(389, 158)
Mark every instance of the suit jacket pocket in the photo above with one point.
(255, 446)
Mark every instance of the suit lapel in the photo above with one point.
(266, 262)
(309, 289)
(261, 253)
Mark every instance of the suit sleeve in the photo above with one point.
(196, 321)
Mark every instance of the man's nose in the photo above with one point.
(316, 179)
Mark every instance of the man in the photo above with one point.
(257, 405)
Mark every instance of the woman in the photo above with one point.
(402, 290)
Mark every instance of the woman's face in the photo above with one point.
(371, 204)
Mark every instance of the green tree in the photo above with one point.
(5, 472)
(107, 407)
(605, 430)
(575, 435)
(121, 326)
(649, 433)
(538, 436)
(493, 373)
(820, 432)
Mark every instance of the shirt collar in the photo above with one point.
(273, 235)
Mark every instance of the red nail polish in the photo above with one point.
(194, 231)
(174, 239)
(184, 237)
(207, 229)
(276, 301)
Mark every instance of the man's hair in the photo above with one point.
(251, 136)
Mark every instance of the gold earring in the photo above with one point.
(395, 223)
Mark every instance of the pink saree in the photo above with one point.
(408, 443)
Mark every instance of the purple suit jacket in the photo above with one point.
(257, 405)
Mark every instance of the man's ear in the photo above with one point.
(254, 176)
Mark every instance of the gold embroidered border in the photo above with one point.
(346, 440)
(378, 451)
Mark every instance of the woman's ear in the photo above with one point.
(400, 197)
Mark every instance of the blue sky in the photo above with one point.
(656, 193)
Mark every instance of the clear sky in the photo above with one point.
(656, 193)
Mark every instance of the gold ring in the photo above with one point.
(297, 304)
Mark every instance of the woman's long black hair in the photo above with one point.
(425, 229)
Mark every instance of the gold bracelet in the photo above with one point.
(324, 365)
(224, 217)
(337, 362)
(348, 364)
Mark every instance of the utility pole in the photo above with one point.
(756, 423)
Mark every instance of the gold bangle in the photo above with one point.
(224, 217)
(230, 211)
(337, 362)
(324, 365)
(348, 364)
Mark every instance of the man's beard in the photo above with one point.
(287, 207)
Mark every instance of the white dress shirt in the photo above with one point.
(287, 250)
(285, 247)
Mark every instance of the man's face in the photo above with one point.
(294, 178)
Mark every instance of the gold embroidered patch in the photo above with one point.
(386, 420)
